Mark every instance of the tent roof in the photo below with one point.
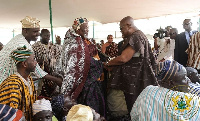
(104, 11)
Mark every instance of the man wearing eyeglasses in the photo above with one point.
(182, 42)
(133, 69)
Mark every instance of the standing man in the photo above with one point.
(182, 43)
(30, 32)
(110, 48)
(45, 54)
(133, 69)
(81, 67)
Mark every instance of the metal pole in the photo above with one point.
(50, 10)
(199, 21)
(93, 29)
(13, 33)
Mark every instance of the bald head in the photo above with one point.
(127, 26)
(127, 20)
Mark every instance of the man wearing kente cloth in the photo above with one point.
(81, 67)
(30, 32)
(18, 90)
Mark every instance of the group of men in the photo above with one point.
(76, 70)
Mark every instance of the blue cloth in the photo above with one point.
(8, 113)
(167, 69)
(188, 36)
(194, 88)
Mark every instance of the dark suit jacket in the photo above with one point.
(181, 46)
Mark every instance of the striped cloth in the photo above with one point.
(194, 88)
(157, 104)
(167, 69)
(8, 113)
(41, 105)
(193, 51)
(7, 65)
(15, 93)
(21, 54)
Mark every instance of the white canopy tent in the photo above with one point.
(145, 12)
(104, 11)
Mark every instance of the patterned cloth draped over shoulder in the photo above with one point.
(112, 50)
(161, 104)
(7, 65)
(139, 71)
(75, 62)
(47, 57)
(193, 51)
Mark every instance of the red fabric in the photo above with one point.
(78, 88)
(19, 115)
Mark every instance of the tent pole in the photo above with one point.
(93, 29)
(199, 21)
(13, 33)
(50, 10)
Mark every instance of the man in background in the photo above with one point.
(182, 43)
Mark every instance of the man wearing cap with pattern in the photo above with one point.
(30, 32)
(81, 67)
(18, 90)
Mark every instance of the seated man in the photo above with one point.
(18, 90)
(170, 100)
(42, 111)
(170, 74)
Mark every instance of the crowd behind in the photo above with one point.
(82, 80)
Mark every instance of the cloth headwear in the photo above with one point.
(80, 113)
(167, 69)
(41, 105)
(30, 22)
(21, 54)
(78, 22)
